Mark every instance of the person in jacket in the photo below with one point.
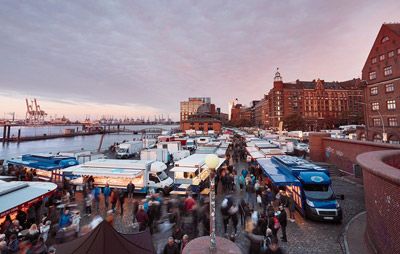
(96, 195)
(274, 248)
(13, 244)
(88, 203)
(142, 218)
(106, 193)
(121, 198)
(130, 188)
(185, 241)
(283, 221)
(33, 233)
(65, 219)
(292, 207)
(114, 199)
(171, 247)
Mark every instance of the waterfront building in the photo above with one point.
(190, 107)
(261, 113)
(321, 104)
(199, 114)
(382, 94)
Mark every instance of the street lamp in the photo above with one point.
(384, 136)
(212, 162)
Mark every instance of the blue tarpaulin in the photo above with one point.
(277, 176)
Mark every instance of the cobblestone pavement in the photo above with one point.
(304, 236)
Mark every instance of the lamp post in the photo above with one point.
(212, 162)
(384, 136)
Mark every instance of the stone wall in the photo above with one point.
(342, 152)
(382, 199)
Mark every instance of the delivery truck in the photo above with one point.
(129, 149)
(191, 174)
(144, 174)
(171, 146)
(309, 185)
(156, 154)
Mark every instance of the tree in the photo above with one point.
(293, 122)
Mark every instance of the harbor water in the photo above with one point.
(91, 143)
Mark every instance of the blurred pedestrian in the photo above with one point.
(171, 247)
(121, 198)
(130, 189)
(283, 222)
(88, 203)
(106, 193)
(114, 199)
(292, 207)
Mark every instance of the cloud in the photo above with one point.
(154, 54)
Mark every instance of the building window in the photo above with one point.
(377, 138)
(376, 122)
(398, 51)
(385, 39)
(391, 105)
(392, 121)
(391, 53)
(389, 88)
(373, 60)
(375, 106)
(387, 71)
(372, 75)
(382, 57)
(374, 90)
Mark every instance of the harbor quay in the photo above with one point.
(199, 127)
(302, 235)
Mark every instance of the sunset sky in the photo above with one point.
(140, 58)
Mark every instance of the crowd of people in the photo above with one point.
(250, 205)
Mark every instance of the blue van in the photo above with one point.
(309, 184)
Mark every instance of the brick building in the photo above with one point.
(261, 113)
(191, 106)
(382, 94)
(198, 113)
(321, 104)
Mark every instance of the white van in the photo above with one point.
(144, 174)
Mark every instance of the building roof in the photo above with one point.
(395, 27)
(352, 84)
(14, 194)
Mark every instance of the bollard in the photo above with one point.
(8, 133)
(19, 135)
(4, 133)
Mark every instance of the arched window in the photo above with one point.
(377, 137)
(385, 39)
(394, 139)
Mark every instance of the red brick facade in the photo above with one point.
(202, 125)
(382, 200)
(382, 94)
(321, 104)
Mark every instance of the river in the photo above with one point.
(13, 149)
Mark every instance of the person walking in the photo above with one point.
(121, 198)
(291, 207)
(142, 218)
(106, 193)
(130, 188)
(88, 203)
(171, 247)
(96, 194)
(283, 221)
(114, 199)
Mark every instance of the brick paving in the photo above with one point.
(304, 236)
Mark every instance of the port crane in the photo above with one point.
(34, 114)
